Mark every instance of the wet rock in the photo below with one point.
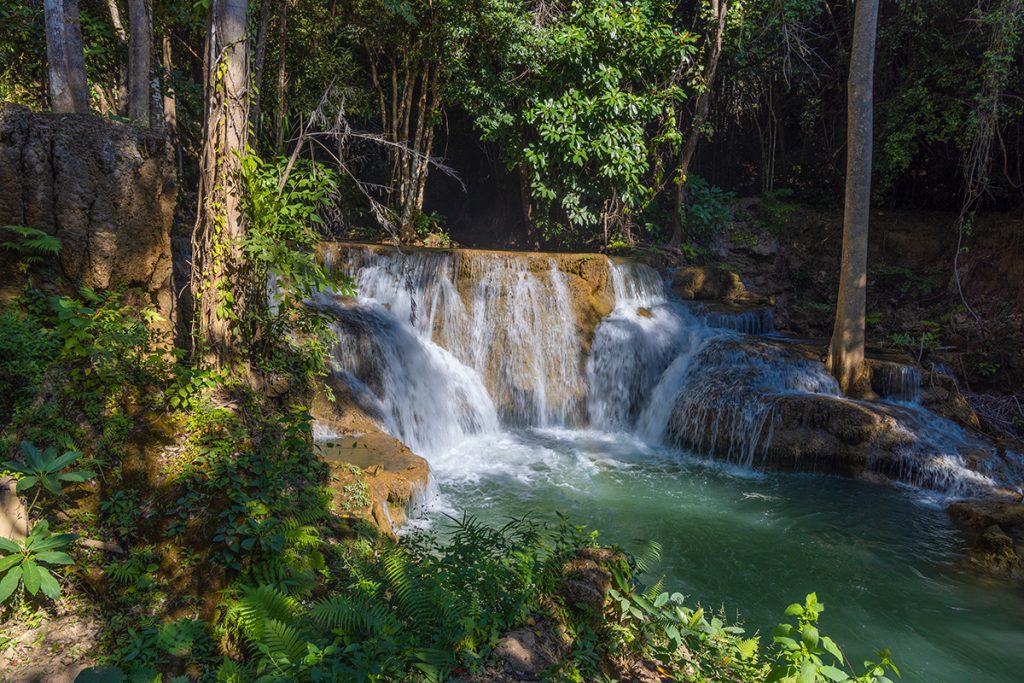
(995, 533)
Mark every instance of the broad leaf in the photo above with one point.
(31, 576)
(9, 583)
(54, 557)
(49, 584)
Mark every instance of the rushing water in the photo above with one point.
(476, 361)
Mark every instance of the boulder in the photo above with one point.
(995, 534)
(707, 283)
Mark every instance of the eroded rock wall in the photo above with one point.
(105, 189)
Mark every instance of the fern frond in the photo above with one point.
(647, 558)
(281, 642)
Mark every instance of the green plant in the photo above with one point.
(803, 651)
(32, 245)
(778, 211)
(25, 562)
(708, 209)
(46, 469)
(120, 512)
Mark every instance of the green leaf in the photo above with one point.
(832, 648)
(26, 483)
(77, 475)
(809, 635)
(9, 561)
(808, 672)
(9, 545)
(54, 557)
(794, 610)
(834, 674)
(9, 583)
(49, 584)
(31, 576)
(64, 460)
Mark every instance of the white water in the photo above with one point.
(457, 353)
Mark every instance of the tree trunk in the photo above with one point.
(220, 285)
(258, 60)
(140, 46)
(719, 9)
(69, 92)
(282, 75)
(170, 100)
(846, 352)
(122, 71)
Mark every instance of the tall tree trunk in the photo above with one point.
(140, 46)
(712, 53)
(258, 59)
(282, 75)
(122, 71)
(170, 99)
(69, 92)
(846, 352)
(220, 285)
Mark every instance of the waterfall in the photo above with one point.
(460, 353)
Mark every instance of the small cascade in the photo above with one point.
(507, 317)
(745, 321)
(634, 345)
(721, 400)
(897, 382)
(420, 392)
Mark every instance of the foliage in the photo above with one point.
(282, 209)
(804, 651)
(27, 562)
(46, 469)
(708, 209)
(32, 245)
(591, 116)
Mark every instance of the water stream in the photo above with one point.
(658, 427)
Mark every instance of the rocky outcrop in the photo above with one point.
(374, 476)
(708, 283)
(105, 189)
(995, 534)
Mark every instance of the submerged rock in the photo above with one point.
(995, 533)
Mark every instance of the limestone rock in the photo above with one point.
(13, 520)
(105, 189)
(707, 283)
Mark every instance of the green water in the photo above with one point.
(885, 561)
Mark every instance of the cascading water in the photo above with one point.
(448, 346)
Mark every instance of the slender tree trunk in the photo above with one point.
(170, 100)
(122, 70)
(282, 75)
(220, 285)
(75, 55)
(719, 9)
(140, 46)
(846, 352)
(69, 92)
(258, 60)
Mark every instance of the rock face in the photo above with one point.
(106, 190)
(13, 520)
(995, 531)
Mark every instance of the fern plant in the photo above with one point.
(32, 245)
